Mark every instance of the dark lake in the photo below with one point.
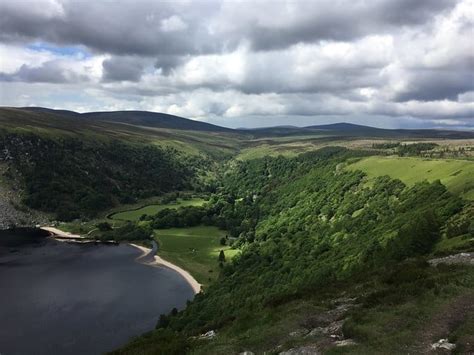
(66, 298)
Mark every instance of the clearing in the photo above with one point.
(456, 175)
(195, 249)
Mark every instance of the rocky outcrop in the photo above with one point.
(323, 330)
(13, 213)
(461, 258)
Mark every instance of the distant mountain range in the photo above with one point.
(166, 121)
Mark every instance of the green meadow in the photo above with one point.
(195, 249)
(456, 175)
(135, 214)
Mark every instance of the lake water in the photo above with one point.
(66, 298)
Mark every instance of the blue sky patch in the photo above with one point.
(59, 50)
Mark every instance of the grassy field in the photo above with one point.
(135, 214)
(195, 249)
(456, 175)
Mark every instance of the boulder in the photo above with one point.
(303, 350)
(209, 335)
(443, 344)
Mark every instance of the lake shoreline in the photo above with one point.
(159, 261)
(155, 259)
(71, 298)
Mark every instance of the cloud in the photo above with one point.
(48, 72)
(122, 68)
(399, 61)
(432, 85)
(167, 62)
(173, 24)
(148, 27)
(275, 27)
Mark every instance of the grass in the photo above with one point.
(135, 214)
(456, 175)
(195, 249)
(404, 318)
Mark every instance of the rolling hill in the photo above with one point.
(353, 130)
(136, 118)
(167, 121)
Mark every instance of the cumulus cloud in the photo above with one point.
(410, 62)
(122, 68)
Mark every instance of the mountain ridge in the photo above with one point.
(167, 121)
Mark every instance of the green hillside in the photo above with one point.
(457, 175)
(329, 240)
(326, 257)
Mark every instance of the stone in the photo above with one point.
(316, 332)
(299, 333)
(345, 342)
(334, 330)
(209, 335)
(443, 344)
(461, 258)
(303, 350)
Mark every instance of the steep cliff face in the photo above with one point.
(12, 212)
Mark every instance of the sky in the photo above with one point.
(385, 63)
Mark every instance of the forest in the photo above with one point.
(73, 178)
(306, 225)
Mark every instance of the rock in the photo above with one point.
(299, 333)
(334, 330)
(246, 352)
(316, 332)
(443, 344)
(461, 258)
(345, 342)
(209, 335)
(303, 350)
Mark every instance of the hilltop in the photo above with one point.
(136, 118)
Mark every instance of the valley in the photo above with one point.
(326, 232)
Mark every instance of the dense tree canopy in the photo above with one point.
(75, 178)
(306, 222)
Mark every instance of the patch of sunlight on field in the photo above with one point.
(195, 249)
(456, 175)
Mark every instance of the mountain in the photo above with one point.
(166, 121)
(136, 118)
(351, 129)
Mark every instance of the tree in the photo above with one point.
(104, 226)
(163, 321)
(221, 256)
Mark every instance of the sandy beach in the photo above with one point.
(158, 261)
(61, 234)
